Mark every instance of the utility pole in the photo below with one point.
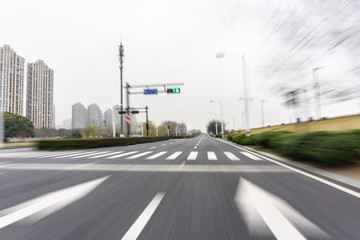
(121, 56)
(147, 121)
(246, 99)
(127, 107)
(317, 92)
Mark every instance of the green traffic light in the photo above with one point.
(176, 90)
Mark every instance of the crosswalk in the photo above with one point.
(132, 155)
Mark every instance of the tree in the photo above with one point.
(17, 126)
(90, 131)
(162, 130)
(211, 127)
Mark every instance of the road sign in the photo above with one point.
(122, 112)
(127, 119)
(173, 90)
(150, 91)
(135, 112)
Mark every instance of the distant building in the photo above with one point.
(40, 95)
(108, 118)
(11, 81)
(94, 116)
(67, 123)
(79, 116)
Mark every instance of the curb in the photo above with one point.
(332, 176)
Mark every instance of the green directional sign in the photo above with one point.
(173, 90)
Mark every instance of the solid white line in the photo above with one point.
(211, 156)
(135, 230)
(174, 155)
(231, 156)
(192, 156)
(334, 185)
(156, 155)
(90, 154)
(139, 155)
(106, 154)
(251, 156)
(121, 155)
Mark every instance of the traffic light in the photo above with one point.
(173, 90)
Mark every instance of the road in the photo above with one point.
(200, 188)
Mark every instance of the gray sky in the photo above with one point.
(176, 41)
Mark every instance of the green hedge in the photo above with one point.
(82, 143)
(325, 148)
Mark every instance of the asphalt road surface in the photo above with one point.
(200, 188)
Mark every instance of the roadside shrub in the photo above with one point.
(219, 135)
(230, 136)
(238, 138)
(264, 139)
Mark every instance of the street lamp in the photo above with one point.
(317, 92)
(262, 112)
(216, 123)
(222, 119)
(246, 97)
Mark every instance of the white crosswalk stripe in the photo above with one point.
(70, 155)
(251, 156)
(139, 155)
(192, 156)
(57, 154)
(156, 155)
(174, 155)
(89, 154)
(122, 154)
(106, 154)
(231, 156)
(211, 156)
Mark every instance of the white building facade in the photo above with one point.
(11, 81)
(40, 95)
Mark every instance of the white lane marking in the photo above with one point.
(334, 185)
(251, 156)
(156, 155)
(195, 147)
(70, 155)
(57, 154)
(211, 156)
(7, 164)
(2, 173)
(164, 144)
(192, 156)
(106, 154)
(34, 155)
(231, 156)
(171, 143)
(55, 201)
(139, 155)
(259, 207)
(121, 155)
(135, 230)
(174, 155)
(152, 148)
(89, 154)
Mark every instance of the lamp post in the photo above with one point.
(262, 112)
(246, 97)
(222, 119)
(317, 92)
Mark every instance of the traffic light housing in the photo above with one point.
(173, 90)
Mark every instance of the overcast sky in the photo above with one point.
(176, 41)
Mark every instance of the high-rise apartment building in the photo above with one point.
(40, 95)
(94, 116)
(11, 81)
(79, 116)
